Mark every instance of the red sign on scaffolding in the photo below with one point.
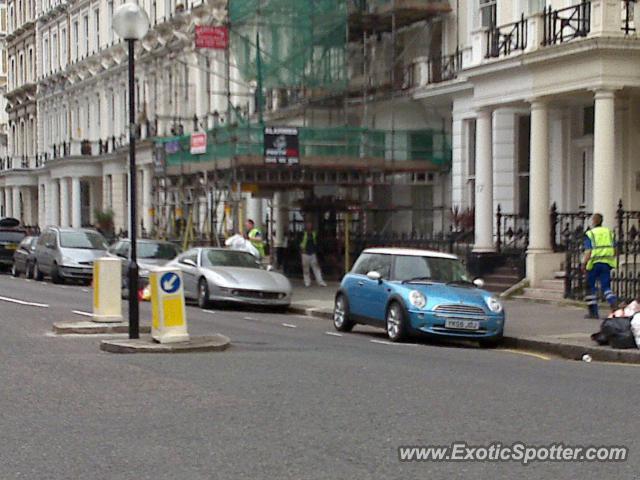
(212, 37)
(198, 143)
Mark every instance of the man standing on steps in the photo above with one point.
(309, 252)
(599, 260)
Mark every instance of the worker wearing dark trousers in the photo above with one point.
(599, 260)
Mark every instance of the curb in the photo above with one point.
(93, 328)
(563, 350)
(573, 352)
(212, 343)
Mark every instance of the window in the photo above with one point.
(487, 13)
(429, 268)
(63, 47)
(3, 20)
(96, 26)
(54, 51)
(86, 34)
(524, 161)
(31, 65)
(471, 160)
(75, 40)
(373, 262)
(110, 20)
(588, 120)
(45, 56)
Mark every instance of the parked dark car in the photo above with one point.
(11, 234)
(151, 253)
(23, 257)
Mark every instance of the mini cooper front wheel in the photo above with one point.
(396, 323)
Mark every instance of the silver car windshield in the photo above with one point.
(228, 258)
(444, 270)
(84, 240)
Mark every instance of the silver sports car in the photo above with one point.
(222, 275)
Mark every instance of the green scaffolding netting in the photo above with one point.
(302, 43)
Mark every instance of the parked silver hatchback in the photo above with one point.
(67, 254)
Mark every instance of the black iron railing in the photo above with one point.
(503, 40)
(563, 224)
(628, 14)
(625, 279)
(442, 69)
(567, 23)
(512, 231)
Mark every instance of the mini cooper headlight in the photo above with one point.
(494, 305)
(417, 299)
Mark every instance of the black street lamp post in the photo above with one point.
(131, 23)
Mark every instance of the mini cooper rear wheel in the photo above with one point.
(203, 293)
(396, 323)
(341, 319)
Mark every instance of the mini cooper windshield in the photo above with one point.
(413, 269)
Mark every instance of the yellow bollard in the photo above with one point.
(107, 290)
(168, 314)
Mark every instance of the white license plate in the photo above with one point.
(460, 324)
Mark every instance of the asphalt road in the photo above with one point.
(289, 400)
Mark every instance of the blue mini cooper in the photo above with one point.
(417, 291)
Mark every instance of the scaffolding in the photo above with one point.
(299, 49)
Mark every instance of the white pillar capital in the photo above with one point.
(605, 93)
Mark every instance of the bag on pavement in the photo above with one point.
(617, 330)
(635, 328)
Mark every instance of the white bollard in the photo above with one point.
(168, 314)
(107, 290)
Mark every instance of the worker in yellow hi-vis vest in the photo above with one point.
(599, 259)
(254, 235)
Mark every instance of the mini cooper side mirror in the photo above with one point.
(375, 276)
(478, 282)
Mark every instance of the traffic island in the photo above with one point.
(210, 343)
(94, 328)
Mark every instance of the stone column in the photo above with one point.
(118, 201)
(605, 193)
(76, 203)
(484, 183)
(54, 194)
(16, 204)
(539, 219)
(8, 201)
(147, 200)
(64, 202)
(254, 211)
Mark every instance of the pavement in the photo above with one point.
(556, 328)
(290, 399)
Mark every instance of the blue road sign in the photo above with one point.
(170, 282)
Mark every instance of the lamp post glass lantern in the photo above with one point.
(131, 23)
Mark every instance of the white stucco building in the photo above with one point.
(465, 104)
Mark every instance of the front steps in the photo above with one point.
(501, 279)
(549, 290)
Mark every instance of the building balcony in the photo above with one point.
(552, 28)
(381, 15)
(22, 162)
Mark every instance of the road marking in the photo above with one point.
(85, 290)
(22, 302)
(85, 314)
(250, 319)
(528, 354)
(333, 334)
(395, 344)
(288, 325)
(210, 312)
